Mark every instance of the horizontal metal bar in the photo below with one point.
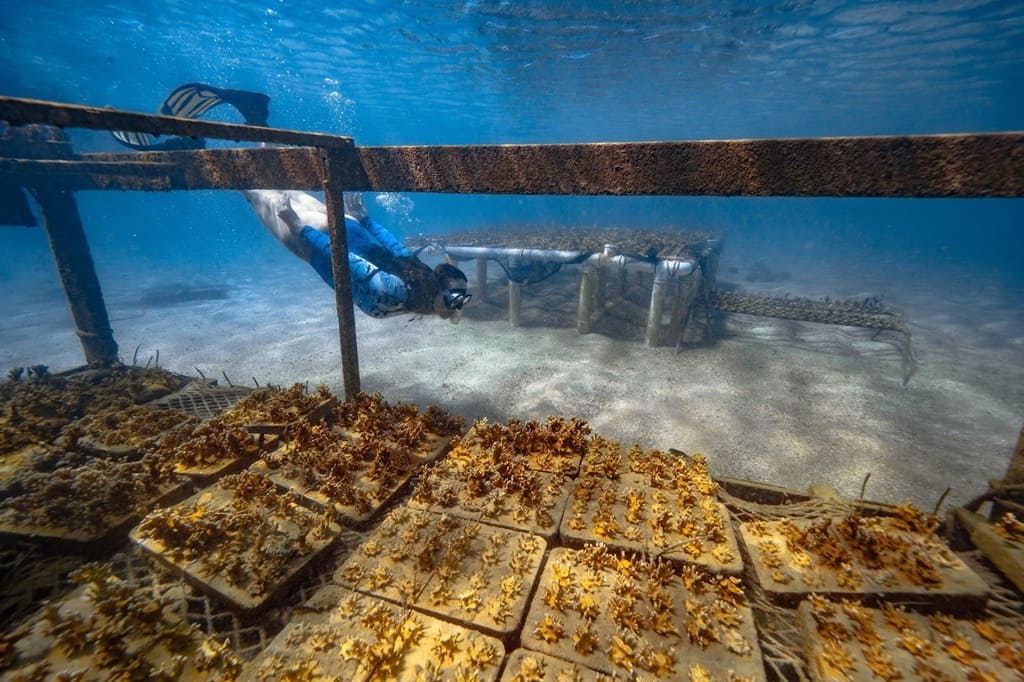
(18, 111)
(263, 168)
(982, 165)
(968, 165)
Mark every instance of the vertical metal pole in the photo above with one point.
(514, 302)
(77, 272)
(658, 290)
(481, 279)
(514, 295)
(342, 279)
(600, 290)
(588, 281)
(688, 286)
(1015, 472)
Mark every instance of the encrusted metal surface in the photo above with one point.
(982, 165)
(18, 111)
(868, 312)
(271, 168)
(968, 165)
(663, 243)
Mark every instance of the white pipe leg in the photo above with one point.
(481, 279)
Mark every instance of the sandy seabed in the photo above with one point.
(768, 405)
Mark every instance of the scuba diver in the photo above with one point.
(387, 278)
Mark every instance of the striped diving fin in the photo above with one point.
(192, 100)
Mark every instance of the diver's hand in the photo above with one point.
(289, 217)
(355, 207)
(320, 252)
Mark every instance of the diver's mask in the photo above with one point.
(452, 284)
(454, 299)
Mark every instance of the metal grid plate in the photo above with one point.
(202, 399)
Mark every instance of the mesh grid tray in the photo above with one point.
(202, 399)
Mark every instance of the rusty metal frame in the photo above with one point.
(963, 165)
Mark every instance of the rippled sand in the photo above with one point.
(777, 402)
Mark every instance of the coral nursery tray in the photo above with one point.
(423, 436)
(526, 665)
(860, 557)
(89, 507)
(348, 636)
(530, 501)
(555, 446)
(210, 451)
(848, 641)
(107, 629)
(473, 574)
(361, 502)
(357, 478)
(17, 463)
(267, 411)
(123, 431)
(427, 448)
(629, 514)
(242, 540)
(649, 618)
(672, 470)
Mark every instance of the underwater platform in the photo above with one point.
(156, 525)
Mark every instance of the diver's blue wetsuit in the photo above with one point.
(371, 250)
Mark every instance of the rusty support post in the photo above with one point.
(77, 272)
(339, 264)
(1015, 472)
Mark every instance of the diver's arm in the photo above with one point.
(375, 292)
(386, 239)
(355, 209)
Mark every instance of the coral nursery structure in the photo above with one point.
(88, 501)
(645, 617)
(598, 561)
(496, 474)
(360, 456)
(107, 629)
(857, 555)
(242, 540)
(343, 635)
(848, 641)
(475, 574)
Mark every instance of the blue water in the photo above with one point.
(501, 72)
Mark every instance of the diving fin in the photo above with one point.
(192, 100)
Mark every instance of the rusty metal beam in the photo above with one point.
(985, 165)
(969, 165)
(17, 111)
(253, 168)
(982, 165)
